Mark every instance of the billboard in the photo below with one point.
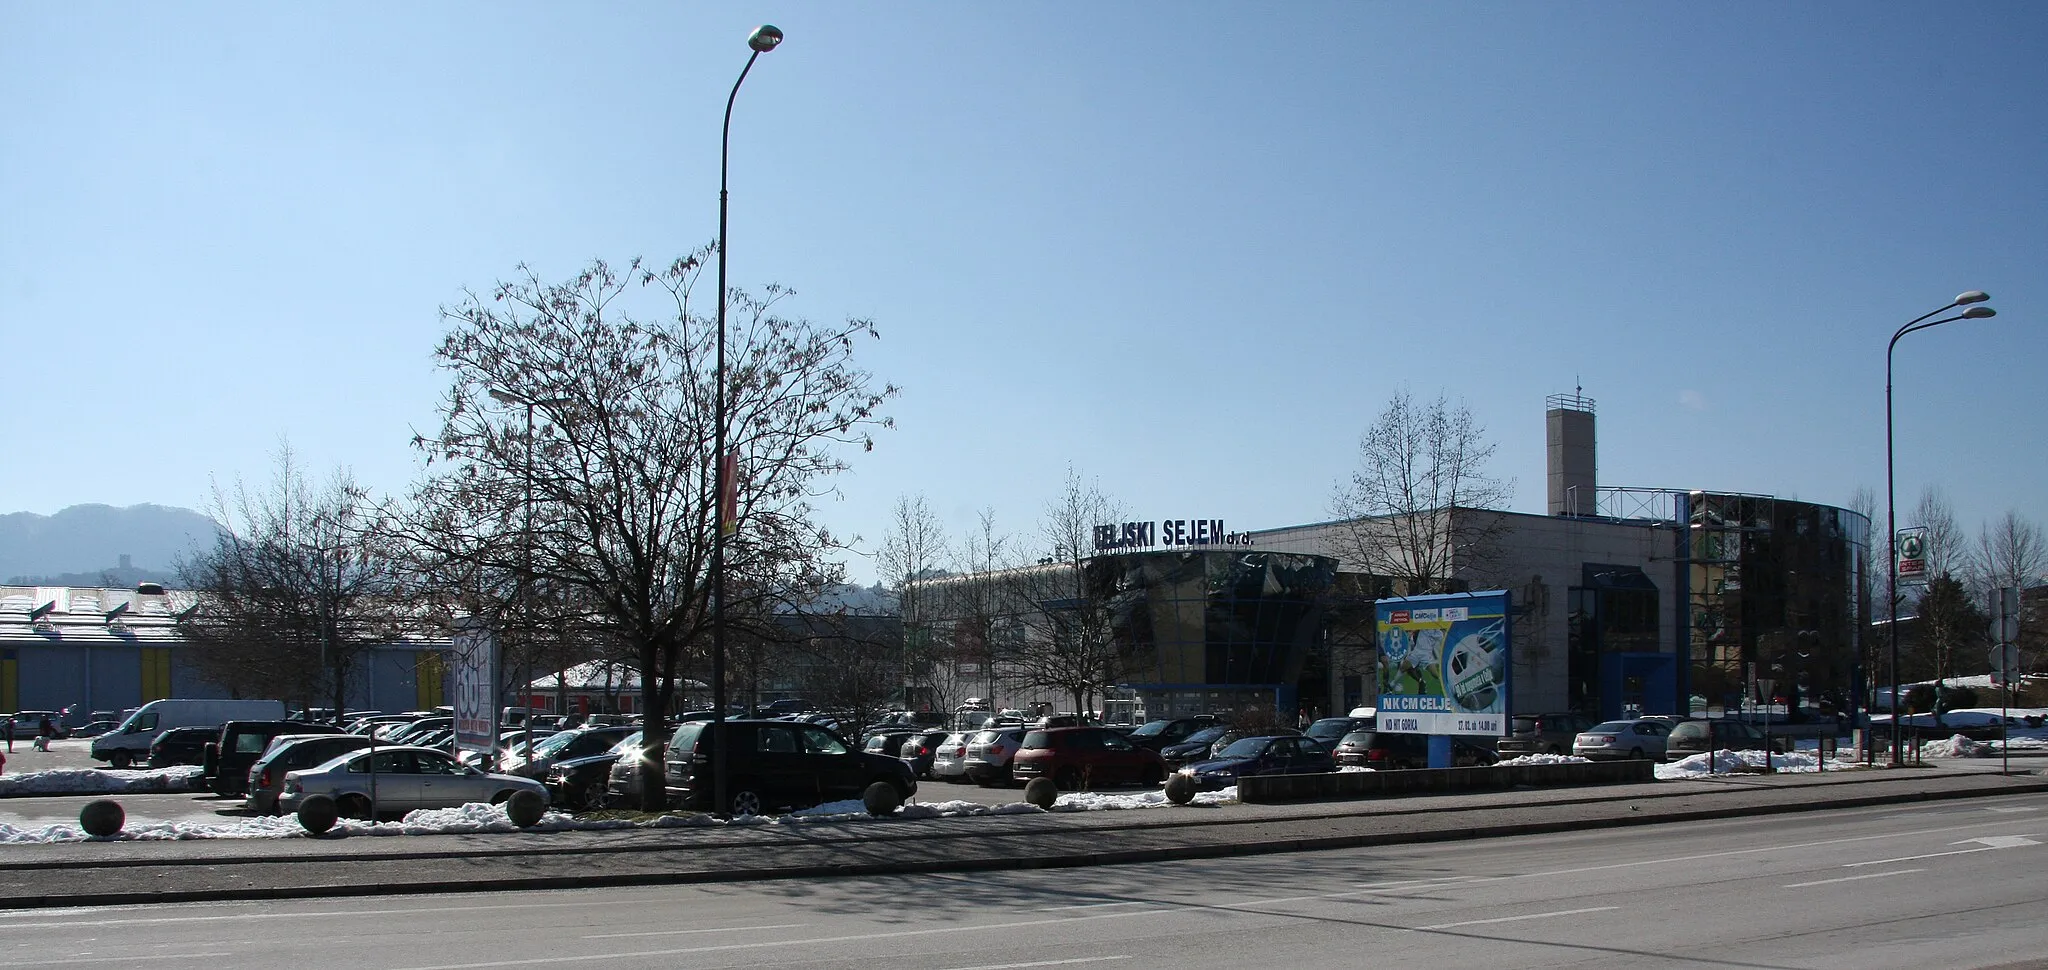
(476, 688)
(1444, 663)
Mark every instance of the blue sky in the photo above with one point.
(1189, 249)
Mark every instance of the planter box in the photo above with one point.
(1364, 784)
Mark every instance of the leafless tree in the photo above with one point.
(302, 581)
(2011, 552)
(913, 550)
(621, 465)
(1420, 466)
(1070, 648)
(1947, 548)
(977, 606)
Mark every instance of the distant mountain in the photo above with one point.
(77, 545)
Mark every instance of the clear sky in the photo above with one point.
(1188, 248)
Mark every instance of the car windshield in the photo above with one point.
(1207, 735)
(626, 745)
(553, 743)
(1246, 748)
(1612, 727)
(1330, 727)
(1150, 729)
(1358, 737)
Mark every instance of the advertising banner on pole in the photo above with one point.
(476, 688)
(1444, 663)
(1912, 563)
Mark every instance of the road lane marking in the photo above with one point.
(708, 929)
(1516, 919)
(1043, 963)
(130, 960)
(1060, 909)
(1867, 875)
(764, 944)
(2012, 809)
(1990, 843)
(316, 914)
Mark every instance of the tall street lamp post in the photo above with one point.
(525, 551)
(762, 40)
(1891, 507)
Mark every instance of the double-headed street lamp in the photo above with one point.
(1891, 508)
(762, 40)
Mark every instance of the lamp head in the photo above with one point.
(1979, 313)
(1973, 296)
(764, 38)
(505, 397)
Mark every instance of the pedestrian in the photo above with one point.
(8, 729)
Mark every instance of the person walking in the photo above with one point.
(8, 729)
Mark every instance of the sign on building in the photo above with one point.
(1443, 666)
(476, 688)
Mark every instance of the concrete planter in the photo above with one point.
(1365, 784)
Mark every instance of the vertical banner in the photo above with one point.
(1912, 563)
(476, 688)
(729, 498)
(1443, 666)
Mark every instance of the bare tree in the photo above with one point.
(301, 582)
(1404, 509)
(621, 466)
(1072, 649)
(2011, 552)
(913, 550)
(1947, 548)
(977, 606)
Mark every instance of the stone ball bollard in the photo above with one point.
(525, 808)
(1042, 792)
(1180, 789)
(102, 817)
(881, 798)
(318, 814)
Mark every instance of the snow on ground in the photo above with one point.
(1728, 761)
(1544, 759)
(475, 818)
(94, 781)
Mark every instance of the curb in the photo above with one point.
(1066, 860)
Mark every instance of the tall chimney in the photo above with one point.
(1568, 424)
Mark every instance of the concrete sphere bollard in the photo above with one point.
(1180, 789)
(525, 808)
(881, 798)
(318, 814)
(102, 817)
(1042, 792)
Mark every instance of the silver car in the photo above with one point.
(405, 778)
(291, 752)
(949, 762)
(1614, 740)
(989, 753)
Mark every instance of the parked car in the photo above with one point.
(988, 755)
(1269, 755)
(562, 746)
(93, 729)
(887, 743)
(1234, 734)
(1078, 758)
(949, 759)
(623, 779)
(239, 744)
(1328, 731)
(1159, 733)
(405, 779)
(1387, 750)
(1550, 733)
(1698, 737)
(920, 750)
(1195, 748)
(290, 752)
(181, 746)
(581, 783)
(774, 764)
(28, 724)
(131, 741)
(1614, 740)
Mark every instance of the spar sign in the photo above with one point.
(1912, 545)
(1443, 665)
(476, 688)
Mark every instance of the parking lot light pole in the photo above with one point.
(1891, 506)
(503, 396)
(762, 40)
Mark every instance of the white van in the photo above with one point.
(129, 743)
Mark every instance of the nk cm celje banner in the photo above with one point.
(1444, 664)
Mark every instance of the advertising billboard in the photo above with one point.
(1444, 663)
(476, 688)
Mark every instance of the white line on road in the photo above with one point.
(708, 929)
(1993, 842)
(1043, 963)
(322, 914)
(1517, 919)
(1061, 909)
(1867, 875)
(131, 960)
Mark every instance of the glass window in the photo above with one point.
(820, 741)
(387, 763)
(437, 764)
(775, 740)
(250, 743)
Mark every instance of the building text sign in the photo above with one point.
(1170, 533)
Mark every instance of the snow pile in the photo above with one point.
(1956, 747)
(1543, 759)
(1341, 769)
(1727, 761)
(95, 781)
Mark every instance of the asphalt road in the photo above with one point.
(1955, 885)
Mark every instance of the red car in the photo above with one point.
(1078, 758)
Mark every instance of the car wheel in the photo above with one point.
(1635, 754)
(1067, 779)
(120, 760)
(594, 795)
(353, 806)
(1150, 776)
(746, 800)
(1555, 749)
(501, 797)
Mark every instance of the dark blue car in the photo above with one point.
(1273, 755)
(1195, 747)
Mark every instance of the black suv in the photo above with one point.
(774, 764)
(1550, 733)
(240, 743)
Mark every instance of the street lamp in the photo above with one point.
(762, 40)
(503, 396)
(1891, 509)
